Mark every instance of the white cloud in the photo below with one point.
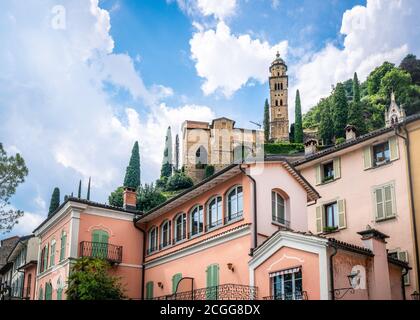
(57, 91)
(219, 8)
(383, 30)
(227, 61)
(28, 223)
(275, 4)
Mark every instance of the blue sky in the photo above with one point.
(79, 83)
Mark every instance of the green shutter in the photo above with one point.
(63, 246)
(175, 279)
(318, 174)
(393, 148)
(59, 294)
(149, 290)
(40, 294)
(367, 157)
(52, 257)
(341, 205)
(337, 168)
(100, 243)
(46, 258)
(212, 281)
(319, 219)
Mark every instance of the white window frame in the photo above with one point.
(219, 205)
(153, 247)
(200, 211)
(393, 201)
(169, 233)
(183, 227)
(293, 285)
(239, 213)
(276, 213)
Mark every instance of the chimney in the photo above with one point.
(129, 198)
(351, 132)
(310, 146)
(379, 282)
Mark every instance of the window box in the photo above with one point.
(328, 179)
(330, 229)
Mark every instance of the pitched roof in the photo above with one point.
(5, 249)
(353, 142)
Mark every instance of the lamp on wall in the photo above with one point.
(230, 267)
(160, 285)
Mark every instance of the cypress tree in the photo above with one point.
(266, 121)
(88, 191)
(339, 111)
(79, 192)
(176, 152)
(298, 120)
(326, 128)
(132, 173)
(166, 170)
(355, 115)
(55, 201)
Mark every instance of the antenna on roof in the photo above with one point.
(259, 125)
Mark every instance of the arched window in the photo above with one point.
(214, 213)
(201, 158)
(59, 290)
(281, 86)
(40, 293)
(63, 245)
(165, 234)
(180, 227)
(153, 240)
(234, 203)
(52, 254)
(277, 103)
(48, 291)
(281, 102)
(196, 220)
(278, 208)
(100, 243)
(44, 258)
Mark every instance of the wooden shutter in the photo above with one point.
(341, 206)
(379, 204)
(389, 201)
(318, 174)
(320, 219)
(63, 246)
(149, 290)
(393, 148)
(337, 168)
(175, 279)
(367, 157)
(403, 256)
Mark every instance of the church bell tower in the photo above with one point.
(279, 117)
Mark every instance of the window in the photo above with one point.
(196, 219)
(287, 284)
(63, 245)
(281, 86)
(331, 217)
(328, 172)
(59, 290)
(212, 281)
(200, 158)
(175, 280)
(28, 286)
(149, 290)
(100, 243)
(281, 102)
(44, 258)
(277, 103)
(278, 208)
(235, 203)
(48, 291)
(214, 216)
(403, 256)
(52, 256)
(381, 154)
(180, 227)
(40, 293)
(384, 202)
(153, 240)
(165, 234)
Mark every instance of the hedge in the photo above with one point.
(283, 148)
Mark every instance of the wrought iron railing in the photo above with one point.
(281, 221)
(289, 296)
(213, 225)
(233, 217)
(222, 292)
(107, 251)
(14, 293)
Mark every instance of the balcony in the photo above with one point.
(296, 296)
(222, 292)
(110, 252)
(281, 221)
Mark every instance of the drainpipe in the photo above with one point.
(144, 256)
(255, 241)
(332, 273)
(402, 282)
(413, 209)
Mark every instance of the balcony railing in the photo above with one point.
(110, 252)
(222, 292)
(289, 296)
(281, 221)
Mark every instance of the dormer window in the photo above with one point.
(381, 154)
(328, 171)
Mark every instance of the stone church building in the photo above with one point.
(220, 143)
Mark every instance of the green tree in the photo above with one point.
(12, 173)
(209, 171)
(355, 114)
(55, 201)
(116, 198)
(132, 173)
(179, 181)
(166, 170)
(266, 121)
(176, 152)
(90, 279)
(396, 80)
(292, 133)
(88, 191)
(412, 65)
(339, 110)
(298, 120)
(375, 77)
(79, 191)
(149, 197)
(326, 127)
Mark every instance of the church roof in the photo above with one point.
(278, 60)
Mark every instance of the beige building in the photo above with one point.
(218, 144)
(279, 117)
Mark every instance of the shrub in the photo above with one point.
(209, 171)
(179, 181)
(283, 148)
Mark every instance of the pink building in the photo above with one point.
(81, 228)
(241, 234)
(364, 182)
